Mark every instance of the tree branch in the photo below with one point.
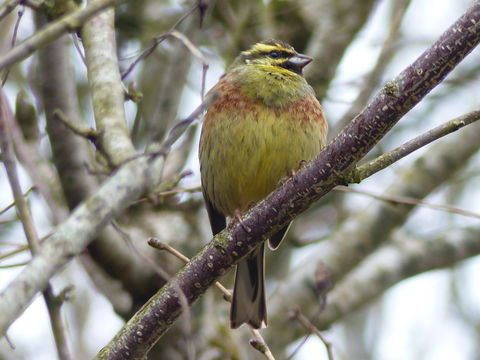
(106, 87)
(366, 170)
(54, 31)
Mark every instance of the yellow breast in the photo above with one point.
(247, 146)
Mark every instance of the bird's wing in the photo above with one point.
(217, 219)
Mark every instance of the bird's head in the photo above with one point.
(273, 53)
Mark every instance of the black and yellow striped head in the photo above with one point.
(274, 53)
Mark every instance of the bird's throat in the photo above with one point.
(273, 85)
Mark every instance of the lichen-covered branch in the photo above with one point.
(105, 82)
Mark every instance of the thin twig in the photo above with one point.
(157, 244)
(145, 53)
(17, 24)
(10, 266)
(161, 272)
(385, 160)
(181, 126)
(204, 81)
(258, 342)
(165, 189)
(78, 129)
(14, 38)
(312, 329)
(180, 191)
(195, 51)
(19, 249)
(10, 342)
(156, 41)
(410, 201)
(8, 207)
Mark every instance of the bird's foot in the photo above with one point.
(237, 217)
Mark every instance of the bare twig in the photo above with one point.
(157, 40)
(197, 53)
(19, 247)
(17, 250)
(14, 38)
(17, 24)
(312, 329)
(259, 344)
(410, 201)
(180, 191)
(8, 207)
(162, 273)
(380, 163)
(10, 266)
(78, 129)
(157, 244)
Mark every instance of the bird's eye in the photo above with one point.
(274, 54)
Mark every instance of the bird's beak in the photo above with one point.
(300, 60)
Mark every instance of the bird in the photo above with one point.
(263, 124)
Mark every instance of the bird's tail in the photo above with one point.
(248, 303)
